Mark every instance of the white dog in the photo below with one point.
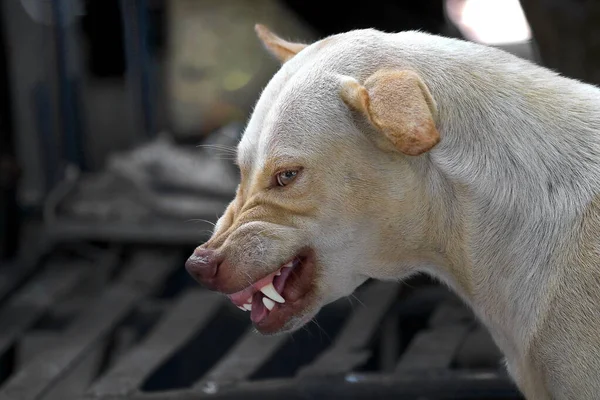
(380, 155)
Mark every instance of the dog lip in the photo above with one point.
(298, 294)
(276, 298)
(264, 285)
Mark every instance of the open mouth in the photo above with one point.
(276, 298)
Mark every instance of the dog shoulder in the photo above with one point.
(567, 345)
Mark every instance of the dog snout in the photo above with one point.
(203, 265)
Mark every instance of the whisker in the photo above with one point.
(402, 282)
(232, 159)
(225, 154)
(349, 298)
(357, 299)
(206, 231)
(218, 147)
(314, 320)
(250, 281)
(273, 229)
(197, 220)
(305, 328)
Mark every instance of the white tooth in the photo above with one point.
(249, 301)
(269, 290)
(248, 307)
(278, 273)
(268, 303)
(242, 308)
(289, 265)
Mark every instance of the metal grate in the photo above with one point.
(124, 322)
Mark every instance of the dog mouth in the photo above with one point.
(275, 299)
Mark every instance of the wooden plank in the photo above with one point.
(125, 337)
(244, 358)
(390, 343)
(31, 302)
(450, 312)
(103, 264)
(478, 351)
(148, 270)
(436, 347)
(14, 273)
(348, 351)
(77, 382)
(191, 312)
(432, 349)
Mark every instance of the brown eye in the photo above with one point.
(286, 177)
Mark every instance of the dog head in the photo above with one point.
(327, 197)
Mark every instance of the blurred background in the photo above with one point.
(117, 124)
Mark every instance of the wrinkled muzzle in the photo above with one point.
(261, 266)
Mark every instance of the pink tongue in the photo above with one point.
(239, 298)
(259, 311)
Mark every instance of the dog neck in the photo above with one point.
(507, 184)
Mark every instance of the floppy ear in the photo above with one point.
(280, 48)
(398, 104)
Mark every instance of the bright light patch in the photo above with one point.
(490, 21)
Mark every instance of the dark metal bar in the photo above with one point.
(49, 150)
(249, 354)
(183, 320)
(349, 350)
(432, 349)
(440, 385)
(28, 305)
(163, 233)
(148, 270)
(9, 171)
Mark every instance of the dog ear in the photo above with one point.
(398, 104)
(281, 49)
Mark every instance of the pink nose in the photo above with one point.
(203, 265)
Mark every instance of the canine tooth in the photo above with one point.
(242, 308)
(268, 303)
(289, 265)
(269, 291)
(248, 307)
(249, 301)
(278, 273)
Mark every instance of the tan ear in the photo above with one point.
(399, 105)
(280, 48)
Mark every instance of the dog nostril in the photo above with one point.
(202, 264)
(200, 251)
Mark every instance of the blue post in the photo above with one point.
(72, 137)
(139, 63)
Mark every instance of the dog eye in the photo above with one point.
(286, 177)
